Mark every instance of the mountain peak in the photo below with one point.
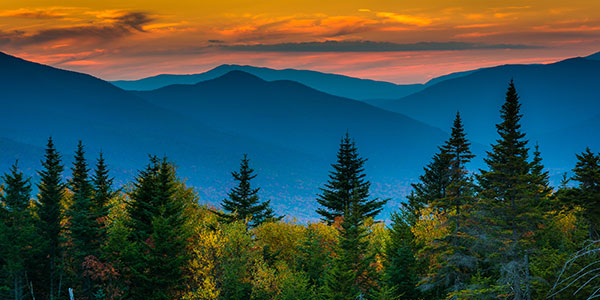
(237, 76)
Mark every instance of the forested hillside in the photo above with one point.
(499, 232)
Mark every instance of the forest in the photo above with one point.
(501, 232)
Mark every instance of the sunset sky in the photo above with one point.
(393, 40)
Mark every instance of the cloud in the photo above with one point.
(369, 46)
(404, 19)
(122, 24)
(36, 13)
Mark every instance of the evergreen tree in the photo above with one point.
(351, 276)
(314, 259)
(158, 233)
(587, 194)
(400, 273)
(508, 199)
(432, 185)
(102, 193)
(458, 152)
(84, 227)
(50, 205)
(243, 202)
(17, 233)
(347, 184)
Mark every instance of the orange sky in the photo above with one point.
(379, 39)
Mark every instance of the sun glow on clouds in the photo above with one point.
(140, 38)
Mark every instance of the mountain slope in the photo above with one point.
(595, 56)
(291, 132)
(289, 113)
(554, 97)
(41, 101)
(339, 85)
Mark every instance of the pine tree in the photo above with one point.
(351, 276)
(158, 229)
(243, 202)
(508, 198)
(453, 251)
(587, 194)
(314, 258)
(84, 227)
(458, 152)
(432, 185)
(102, 193)
(400, 273)
(347, 184)
(17, 232)
(50, 205)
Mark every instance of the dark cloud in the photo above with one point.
(369, 46)
(122, 25)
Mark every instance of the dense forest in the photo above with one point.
(501, 232)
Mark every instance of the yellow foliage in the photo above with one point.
(206, 249)
(432, 225)
(283, 238)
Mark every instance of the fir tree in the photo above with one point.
(84, 227)
(508, 200)
(347, 184)
(432, 185)
(50, 205)
(350, 276)
(453, 251)
(17, 232)
(587, 194)
(243, 202)
(458, 152)
(314, 259)
(102, 184)
(158, 233)
(400, 273)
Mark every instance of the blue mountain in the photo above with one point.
(290, 131)
(560, 102)
(339, 85)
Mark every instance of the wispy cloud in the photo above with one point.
(370, 46)
(37, 13)
(119, 25)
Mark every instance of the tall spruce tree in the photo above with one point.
(400, 269)
(103, 192)
(432, 185)
(458, 152)
(50, 205)
(346, 185)
(587, 194)
(508, 199)
(157, 255)
(351, 275)
(452, 195)
(17, 233)
(84, 227)
(243, 201)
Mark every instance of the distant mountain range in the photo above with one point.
(338, 85)
(290, 131)
(560, 102)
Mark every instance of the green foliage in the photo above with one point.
(156, 254)
(17, 234)
(351, 274)
(50, 212)
(243, 202)
(400, 273)
(511, 205)
(347, 184)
